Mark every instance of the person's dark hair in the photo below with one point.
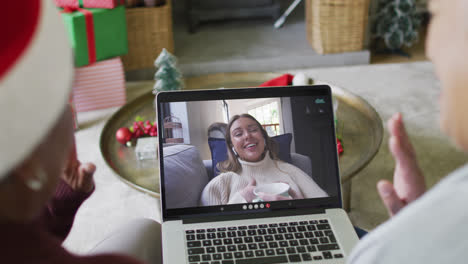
(217, 126)
(232, 163)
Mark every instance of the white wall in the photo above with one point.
(200, 116)
(242, 106)
(286, 115)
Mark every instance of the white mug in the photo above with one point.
(276, 188)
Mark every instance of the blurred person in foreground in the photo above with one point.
(42, 183)
(428, 227)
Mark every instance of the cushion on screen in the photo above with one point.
(185, 176)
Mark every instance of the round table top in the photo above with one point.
(359, 125)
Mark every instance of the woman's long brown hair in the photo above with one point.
(232, 163)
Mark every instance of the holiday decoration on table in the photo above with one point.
(96, 34)
(283, 80)
(146, 148)
(89, 3)
(301, 79)
(100, 85)
(123, 135)
(396, 23)
(339, 146)
(140, 128)
(338, 126)
(168, 77)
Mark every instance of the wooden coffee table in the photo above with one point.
(359, 125)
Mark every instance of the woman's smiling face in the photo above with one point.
(247, 139)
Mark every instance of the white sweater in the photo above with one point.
(430, 230)
(224, 189)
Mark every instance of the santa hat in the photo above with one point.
(36, 71)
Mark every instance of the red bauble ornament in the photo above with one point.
(339, 147)
(139, 129)
(123, 135)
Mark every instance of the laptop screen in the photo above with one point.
(243, 150)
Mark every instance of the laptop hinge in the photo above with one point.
(250, 215)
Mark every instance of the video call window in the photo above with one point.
(286, 144)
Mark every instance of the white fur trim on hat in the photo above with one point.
(35, 91)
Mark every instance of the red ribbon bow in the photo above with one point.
(89, 31)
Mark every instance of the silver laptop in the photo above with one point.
(284, 138)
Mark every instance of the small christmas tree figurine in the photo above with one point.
(397, 23)
(168, 77)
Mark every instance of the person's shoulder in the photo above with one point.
(285, 166)
(435, 216)
(225, 176)
(451, 188)
(458, 177)
(282, 164)
(222, 178)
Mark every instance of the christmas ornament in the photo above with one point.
(123, 135)
(300, 79)
(168, 77)
(146, 148)
(140, 128)
(339, 147)
(397, 23)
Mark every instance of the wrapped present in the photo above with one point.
(89, 3)
(96, 34)
(100, 85)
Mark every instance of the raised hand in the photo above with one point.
(77, 175)
(272, 197)
(408, 180)
(294, 194)
(247, 192)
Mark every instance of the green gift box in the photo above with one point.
(96, 34)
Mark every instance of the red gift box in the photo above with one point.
(96, 34)
(88, 3)
(100, 85)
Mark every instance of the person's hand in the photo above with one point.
(77, 175)
(274, 197)
(408, 179)
(293, 193)
(247, 192)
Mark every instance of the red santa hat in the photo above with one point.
(36, 72)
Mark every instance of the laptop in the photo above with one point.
(213, 213)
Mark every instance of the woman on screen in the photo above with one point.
(252, 162)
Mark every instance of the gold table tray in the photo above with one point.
(361, 129)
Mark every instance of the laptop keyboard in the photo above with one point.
(265, 243)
